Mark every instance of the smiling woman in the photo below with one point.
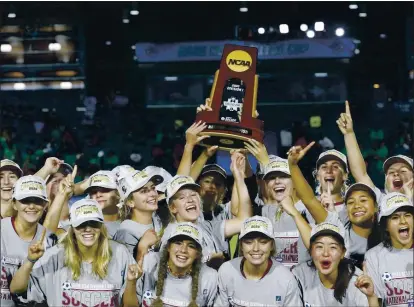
(17, 233)
(9, 173)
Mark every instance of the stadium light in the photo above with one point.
(261, 30)
(319, 26)
(304, 27)
(353, 6)
(376, 85)
(357, 51)
(362, 15)
(19, 86)
(284, 28)
(383, 36)
(11, 15)
(55, 47)
(243, 7)
(6, 48)
(125, 20)
(310, 34)
(134, 12)
(108, 43)
(66, 85)
(339, 32)
(171, 78)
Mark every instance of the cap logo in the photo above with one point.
(100, 179)
(256, 224)
(86, 210)
(31, 186)
(396, 200)
(327, 227)
(186, 229)
(139, 176)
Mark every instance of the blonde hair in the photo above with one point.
(73, 258)
(173, 219)
(162, 274)
(125, 211)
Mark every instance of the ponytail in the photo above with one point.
(195, 274)
(162, 275)
(346, 270)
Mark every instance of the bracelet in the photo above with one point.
(30, 260)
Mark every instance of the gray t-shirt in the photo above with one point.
(14, 252)
(290, 249)
(355, 244)
(177, 291)
(316, 294)
(392, 273)
(213, 242)
(277, 288)
(112, 228)
(51, 281)
(130, 232)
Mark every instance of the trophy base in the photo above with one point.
(225, 141)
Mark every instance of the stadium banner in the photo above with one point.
(212, 50)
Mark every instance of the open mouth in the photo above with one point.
(182, 258)
(4, 189)
(280, 190)
(326, 264)
(359, 213)
(404, 232)
(397, 183)
(152, 202)
(191, 208)
(88, 237)
(256, 256)
(331, 180)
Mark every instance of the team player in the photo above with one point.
(359, 217)
(138, 207)
(185, 206)
(29, 200)
(176, 275)
(391, 262)
(398, 169)
(330, 279)
(84, 269)
(9, 173)
(254, 279)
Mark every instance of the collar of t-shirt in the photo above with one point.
(269, 266)
(14, 228)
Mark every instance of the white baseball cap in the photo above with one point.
(328, 229)
(166, 176)
(332, 154)
(64, 169)
(259, 224)
(178, 182)
(30, 186)
(277, 165)
(102, 179)
(360, 187)
(122, 170)
(260, 169)
(7, 164)
(85, 210)
(393, 201)
(187, 229)
(396, 159)
(135, 181)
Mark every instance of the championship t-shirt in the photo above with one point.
(392, 273)
(277, 288)
(112, 228)
(316, 294)
(51, 281)
(14, 252)
(290, 249)
(130, 232)
(177, 291)
(213, 242)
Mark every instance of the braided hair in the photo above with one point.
(162, 275)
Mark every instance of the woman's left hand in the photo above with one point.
(134, 272)
(365, 284)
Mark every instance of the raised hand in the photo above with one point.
(344, 122)
(296, 153)
(407, 188)
(364, 283)
(258, 150)
(205, 107)
(289, 206)
(192, 134)
(134, 271)
(238, 165)
(150, 238)
(36, 250)
(211, 150)
(52, 165)
(66, 186)
(327, 200)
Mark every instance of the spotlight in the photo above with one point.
(339, 32)
(310, 34)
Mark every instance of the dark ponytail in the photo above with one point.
(346, 270)
(195, 274)
(374, 237)
(162, 275)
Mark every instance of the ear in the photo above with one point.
(345, 176)
(172, 208)
(130, 203)
(14, 204)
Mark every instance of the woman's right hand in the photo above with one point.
(36, 250)
(66, 186)
(205, 107)
(296, 153)
(192, 134)
(344, 122)
(238, 165)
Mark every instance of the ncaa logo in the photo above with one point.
(238, 61)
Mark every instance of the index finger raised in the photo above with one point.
(347, 108)
(306, 149)
(74, 172)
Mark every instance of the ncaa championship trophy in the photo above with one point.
(233, 100)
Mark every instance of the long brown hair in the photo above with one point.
(162, 274)
(73, 259)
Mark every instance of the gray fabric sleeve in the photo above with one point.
(222, 295)
(372, 265)
(218, 232)
(124, 236)
(36, 288)
(211, 276)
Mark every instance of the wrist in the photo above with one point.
(189, 146)
(31, 260)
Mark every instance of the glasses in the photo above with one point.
(91, 224)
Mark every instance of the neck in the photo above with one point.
(25, 230)
(7, 208)
(396, 244)
(255, 272)
(362, 230)
(110, 211)
(141, 217)
(88, 254)
(178, 272)
(328, 281)
(111, 217)
(180, 220)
